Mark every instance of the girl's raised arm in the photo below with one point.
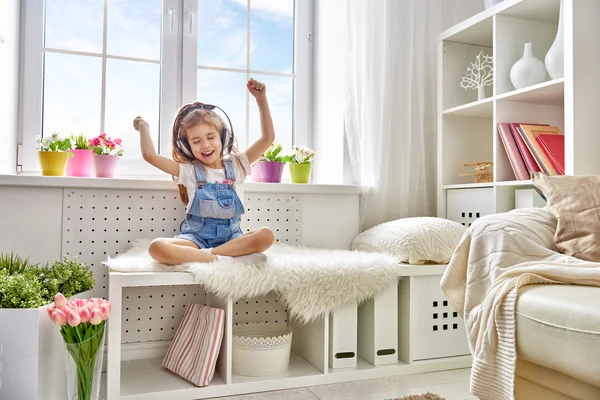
(165, 164)
(259, 91)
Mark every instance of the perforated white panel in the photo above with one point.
(154, 313)
(98, 223)
(280, 212)
(102, 223)
(266, 309)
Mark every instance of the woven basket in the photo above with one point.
(260, 349)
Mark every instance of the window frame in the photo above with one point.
(178, 77)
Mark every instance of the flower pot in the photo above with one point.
(106, 165)
(83, 366)
(271, 171)
(53, 163)
(256, 175)
(81, 164)
(300, 172)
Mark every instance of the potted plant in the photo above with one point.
(105, 161)
(52, 154)
(81, 324)
(255, 172)
(30, 342)
(271, 166)
(300, 164)
(82, 162)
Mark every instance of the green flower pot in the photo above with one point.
(300, 172)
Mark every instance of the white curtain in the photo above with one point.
(390, 110)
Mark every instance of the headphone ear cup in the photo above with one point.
(225, 140)
(184, 147)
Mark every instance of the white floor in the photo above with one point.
(452, 385)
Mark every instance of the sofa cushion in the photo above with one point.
(558, 327)
(575, 202)
(418, 240)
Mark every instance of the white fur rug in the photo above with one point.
(312, 282)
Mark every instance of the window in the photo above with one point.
(91, 66)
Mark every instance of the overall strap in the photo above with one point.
(229, 172)
(200, 178)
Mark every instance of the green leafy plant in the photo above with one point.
(81, 142)
(273, 153)
(27, 285)
(53, 143)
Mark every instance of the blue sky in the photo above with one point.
(72, 91)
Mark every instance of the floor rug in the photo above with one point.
(426, 396)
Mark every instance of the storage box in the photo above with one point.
(343, 323)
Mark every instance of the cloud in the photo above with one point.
(279, 11)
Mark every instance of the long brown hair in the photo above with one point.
(191, 115)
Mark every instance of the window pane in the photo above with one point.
(228, 91)
(132, 89)
(72, 87)
(222, 33)
(74, 25)
(134, 28)
(280, 95)
(272, 35)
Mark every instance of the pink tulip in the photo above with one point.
(85, 314)
(104, 311)
(59, 318)
(60, 301)
(96, 317)
(94, 302)
(74, 319)
(50, 310)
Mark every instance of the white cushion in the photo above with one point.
(420, 240)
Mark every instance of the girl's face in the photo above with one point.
(205, 143)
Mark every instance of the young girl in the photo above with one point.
(210, 170)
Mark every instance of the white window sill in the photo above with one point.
(164, 183)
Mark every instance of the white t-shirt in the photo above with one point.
(241, 169)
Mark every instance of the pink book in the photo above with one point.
(523, 149)
(512, 151)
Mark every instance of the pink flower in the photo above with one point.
(102, 135)
(50, 310)
(74, 319)
(84, 314)
(104, 311)
(60, 301)
(118, 141)
(59, 318)
(95, 302)
(96, 317)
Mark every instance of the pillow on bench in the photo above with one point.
(420, 240)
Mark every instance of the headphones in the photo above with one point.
(182, 144)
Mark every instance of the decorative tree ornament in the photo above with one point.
(479, 74)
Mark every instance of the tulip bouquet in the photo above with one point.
(81, 324)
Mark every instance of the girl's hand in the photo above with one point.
(256, 88)
(140, 124)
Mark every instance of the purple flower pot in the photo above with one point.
(271, 171)
(106, 165)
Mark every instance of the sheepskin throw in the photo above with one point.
(312, 282)
(420, 240)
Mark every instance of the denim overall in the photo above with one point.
(213, 218)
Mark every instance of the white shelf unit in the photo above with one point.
(467, 126)
(134, 369)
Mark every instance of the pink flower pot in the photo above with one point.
(256, 175)
(271, 171)
(81, 164)
(106, 165)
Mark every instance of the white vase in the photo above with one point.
(480, 92)
(528, 70)
(490, 3)
(555, 56)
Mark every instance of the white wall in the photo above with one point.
(9, 83)
(329, 80)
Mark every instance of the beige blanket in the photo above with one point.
(497, 255)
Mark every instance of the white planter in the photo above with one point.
(31, 354)
(260, 349)
(528, 70)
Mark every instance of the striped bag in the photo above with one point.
(194, 350)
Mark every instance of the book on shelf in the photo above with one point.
(532, 148)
